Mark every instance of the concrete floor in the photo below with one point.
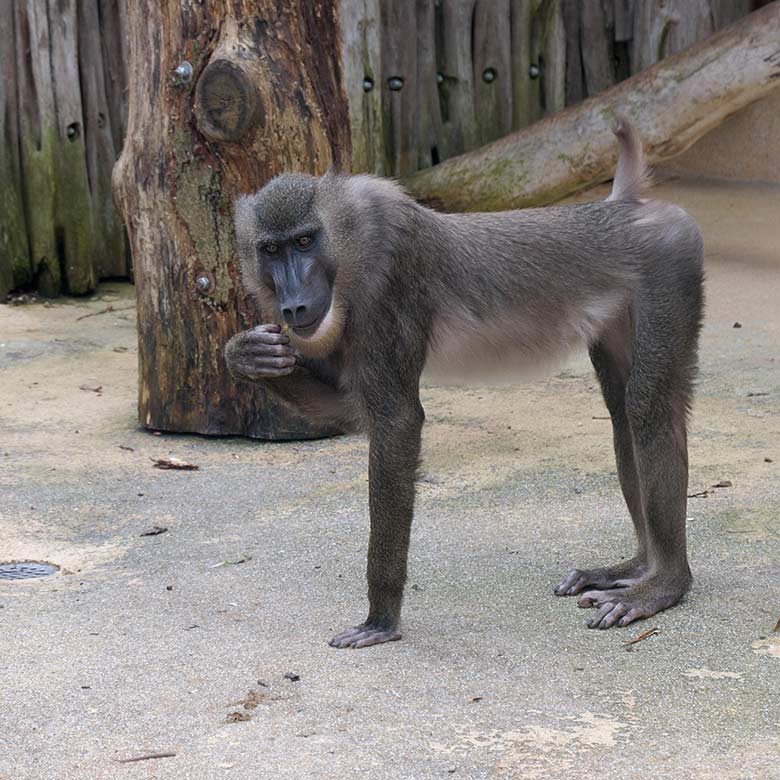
(143, 644)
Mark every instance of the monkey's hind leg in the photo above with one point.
(657, 398)
(611, 358)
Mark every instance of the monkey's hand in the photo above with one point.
(261, 353)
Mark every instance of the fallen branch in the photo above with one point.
(108, 310)
(673, 104)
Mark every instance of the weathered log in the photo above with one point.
(74, 225)
(361, 49)
(492, 70)
(109, 241)
(223, 96)
(15, 267)
(59, 230)
(399, 86)
(673, 103)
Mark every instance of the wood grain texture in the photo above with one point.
(59, 148)
(457, 86)
(175, 188)
(399, 86)
(526, 85)
(596, 47)
(665, 27)
(15, 267)
(430, 128)
(109, 237)
(38, 137)
(361, 58)
(673, 104)
(492, 69)
(74, 221)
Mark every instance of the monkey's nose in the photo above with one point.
(294, 315)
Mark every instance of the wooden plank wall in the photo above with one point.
(425, 80)
(429, 79)
(63, 113)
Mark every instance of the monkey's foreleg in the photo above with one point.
(394, 450)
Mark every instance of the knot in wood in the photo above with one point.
(227, 103)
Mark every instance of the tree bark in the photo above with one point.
(264, 97)
(673, 104)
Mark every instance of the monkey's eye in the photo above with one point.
(270, 247)
(304, 242)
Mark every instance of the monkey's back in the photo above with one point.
(549, 279)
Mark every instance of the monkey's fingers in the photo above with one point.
(263, 350)
(268, 367)
(364, 636)
(267, 327)
(266, 337)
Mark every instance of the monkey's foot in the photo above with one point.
(622, 606)
(365, 635)
(621, 575)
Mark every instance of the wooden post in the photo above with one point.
(14, 246)
(223, 96)
(59, 229)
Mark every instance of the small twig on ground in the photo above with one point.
(645, 635)
(146, 757)
(243, 559)
(107, 310)
(701, 494)
(776, 629)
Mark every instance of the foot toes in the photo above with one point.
(377, 638)
(564, 586)
(364, 636)
(614, 615)
(601, 612)
(590, 598)
(343, 639)
(631, 616)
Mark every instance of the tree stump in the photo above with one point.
(223, 96)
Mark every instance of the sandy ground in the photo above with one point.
(144, 644)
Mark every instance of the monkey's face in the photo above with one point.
(286, 262)
(297, 268)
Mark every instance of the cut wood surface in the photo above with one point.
(673, 104)
(252, 97)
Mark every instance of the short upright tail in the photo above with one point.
(631, 176)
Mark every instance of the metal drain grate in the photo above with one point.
(25, 570)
